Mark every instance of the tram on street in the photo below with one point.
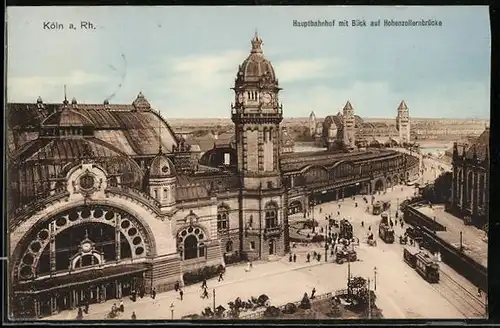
(422, 263)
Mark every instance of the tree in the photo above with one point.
(442, 187)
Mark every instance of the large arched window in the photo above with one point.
(271, 216)
(191, 243)
(223, 218)
(70, 241)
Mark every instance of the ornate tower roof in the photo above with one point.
(348, 106)
(161, 167)
(312, 115)
(402, 106)
(256, 66)
(141, 103)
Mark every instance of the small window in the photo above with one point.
(165, 193)
(155, 192)
(252, 245)
(227, 159)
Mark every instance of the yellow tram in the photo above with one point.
(422, 263)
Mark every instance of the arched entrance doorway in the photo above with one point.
(191, 243)
(379, 185)
(389, 182)
(272, 247)
(81, 256)
(295, 207)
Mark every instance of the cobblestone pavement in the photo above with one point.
(401, 292)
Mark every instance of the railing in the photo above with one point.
(135, 194)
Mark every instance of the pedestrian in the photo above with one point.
(142, 292)
(397, 214)
(369, 228)
(356, 204)
(362, 224)
(319, 257)
(315, 254)
(339, 205)
(478, 292)
(308, 257)
(204, 283)
(221, 277)
(320, 210)
(402, 223)
(114, 308)
(294, 258)
(290, 258)
(313, 292)
(133, 316)
(181, 293)
(79, 315)
(86, 309)
(251, 265)
(205, 293)
(177, 286)
(338, 213)
(153, 293)
(122, 307)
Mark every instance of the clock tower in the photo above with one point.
(257, 115)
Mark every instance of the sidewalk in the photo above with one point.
(226, 291)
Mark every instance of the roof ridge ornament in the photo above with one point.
(256, 44)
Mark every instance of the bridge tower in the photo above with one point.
(403, 122)
(349, 126)
(257, 116)
(312, 124)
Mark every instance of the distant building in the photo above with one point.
(470, 182)
(312, 124)
(331, 133)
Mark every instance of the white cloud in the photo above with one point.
(25, 88)
(299, 70)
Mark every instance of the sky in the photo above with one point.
(184, 59)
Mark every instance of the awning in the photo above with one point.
(79, 278)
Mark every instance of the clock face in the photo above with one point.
(266, 98)
(86, 247)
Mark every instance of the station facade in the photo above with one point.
(104, 199)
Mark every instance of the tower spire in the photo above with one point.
(159, 133)
(65, 96)
(256, 43)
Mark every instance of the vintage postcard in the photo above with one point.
(170, 163)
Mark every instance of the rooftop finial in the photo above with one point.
(256, 43)
(159, 134)
(65, 97)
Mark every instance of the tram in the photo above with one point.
(422, 263)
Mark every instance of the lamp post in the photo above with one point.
(214, 299)
(375, 278)
(172, 310)
(369, 301)
(461, 245)
(348, 280)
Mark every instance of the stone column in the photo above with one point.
(36, 303)
(103, 296)
(53, 304)
(52, 249)
(72, 299)
(117, 237)
(118, 286)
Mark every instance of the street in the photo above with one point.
(401, 292)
